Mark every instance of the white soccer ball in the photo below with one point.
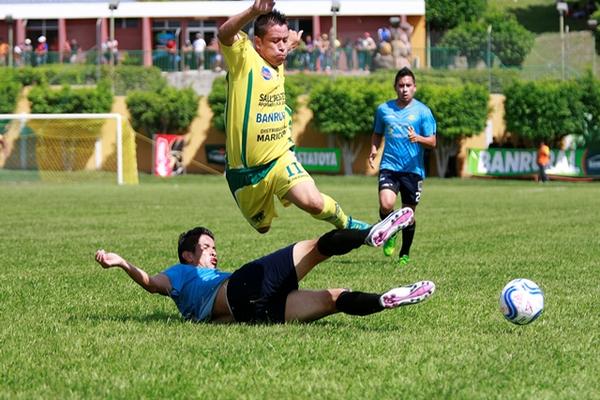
(521, 301)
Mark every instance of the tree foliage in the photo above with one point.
(166, 111)
(345, 108)
(510, 41)
(550, 110)
(446, 14)
(541, 110)
(69, 100)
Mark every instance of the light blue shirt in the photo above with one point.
(194, 289)
(399, 154)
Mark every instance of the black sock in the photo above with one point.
(408, 234)
(382, 215)
(358, 303)
(341, 241)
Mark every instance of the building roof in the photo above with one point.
(178, 9)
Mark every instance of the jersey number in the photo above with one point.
(291, 167)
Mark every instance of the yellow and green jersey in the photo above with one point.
(257, 120)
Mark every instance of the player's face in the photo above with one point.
(405, 89)
(273, 45)
(205, 253)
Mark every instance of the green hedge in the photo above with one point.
(167, 111)
(126, 77)
(68, 100)
(9, 91)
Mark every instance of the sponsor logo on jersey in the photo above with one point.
(266, 73)
(264, 118)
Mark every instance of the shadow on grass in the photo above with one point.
(159, 316)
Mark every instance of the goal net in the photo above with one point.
(68, 147)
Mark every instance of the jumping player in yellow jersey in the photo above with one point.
(260, 151)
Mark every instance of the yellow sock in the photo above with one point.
(332, 213)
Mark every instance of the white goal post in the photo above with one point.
(81, 140)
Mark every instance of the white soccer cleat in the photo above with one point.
(407, 295)
(383, 230)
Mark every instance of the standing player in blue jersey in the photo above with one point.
(408, 127)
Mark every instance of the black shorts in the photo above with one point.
(257, 292)
(408, 184)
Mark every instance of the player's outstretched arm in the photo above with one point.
(154, 284)
(228, 31)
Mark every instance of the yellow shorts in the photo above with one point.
(256, 199)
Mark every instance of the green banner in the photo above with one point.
(514, 162)
(315, 159)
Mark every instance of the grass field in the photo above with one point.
(69, 329)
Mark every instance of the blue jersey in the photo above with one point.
(399, 154)
(194, 289)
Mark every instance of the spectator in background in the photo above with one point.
(366, 48)
(199, 49)
(3, 52)
(214, 57)
(41, 51)
(18, 55)
(309, 58)
(188, 54)
(349, 53)
(66, 52)
(27, 52)
(543, 161)
(114, 48)
(324, 53)
(74, 51)
(172, 52)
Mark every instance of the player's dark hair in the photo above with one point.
(265, 21)
(188, 240)
(402, 73)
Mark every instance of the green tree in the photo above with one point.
(589, 88)
(345, 108)
(510, 41)
(446, 14)
(470, 38)
(547, 110)
(460, 111)
(167, 111)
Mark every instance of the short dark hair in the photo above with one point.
(405, 71)
(265, 21)
(188, 240)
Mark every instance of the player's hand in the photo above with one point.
(412, 135)
(294, 39)
(263, 6)
(108, 260)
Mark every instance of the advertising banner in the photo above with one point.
(168, 155)
(319, 159)
(515, 162)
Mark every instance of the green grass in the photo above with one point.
(69, 329)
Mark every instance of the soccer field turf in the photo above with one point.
(69, 329)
